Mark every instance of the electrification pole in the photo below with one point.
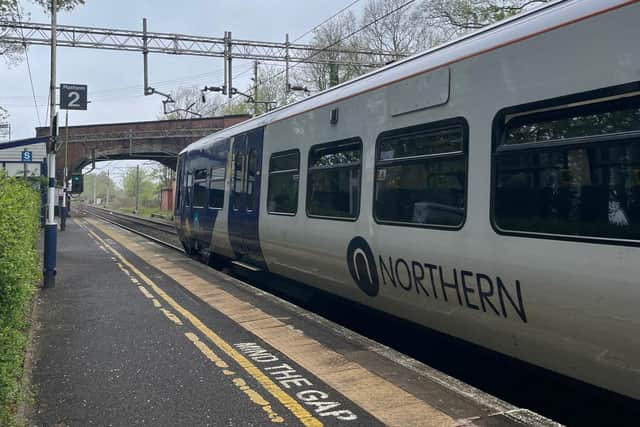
(137, 186)
(51, 228)
(255, 88)
(287, 86)
(94, 188)
(106, 205)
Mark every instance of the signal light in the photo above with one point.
(77, 183)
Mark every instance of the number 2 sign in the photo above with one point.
(73, 97)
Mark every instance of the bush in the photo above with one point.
(19, 272)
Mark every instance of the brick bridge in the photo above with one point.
(158, 140)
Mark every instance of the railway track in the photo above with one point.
(162, 232)
(560, 398)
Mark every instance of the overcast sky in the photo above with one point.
(115, 78)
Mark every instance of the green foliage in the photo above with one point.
(103, 182)
(19, 271)
(62, 4)
(149, 189)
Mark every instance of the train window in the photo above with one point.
(421, 175)
(284, 175)
(179, 184)
(238, 179)
(571, 171)
(187, 188)
(333, 187)
(200, 190)
(252, 169)
(199, 174)
(216, 187)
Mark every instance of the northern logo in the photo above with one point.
(362, 266)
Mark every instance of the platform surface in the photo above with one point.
(138, 334)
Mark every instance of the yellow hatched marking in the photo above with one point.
(145, 292)
(175, 319)
(287, 401)
(156, 303)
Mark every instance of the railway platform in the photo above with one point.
(138, 333)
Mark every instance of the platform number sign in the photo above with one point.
(26, 156)
(73, 97)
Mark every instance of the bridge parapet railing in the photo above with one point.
(130, 135)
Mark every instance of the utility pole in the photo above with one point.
(287, 86)
(106, 205)
(95, 176)
(228, 75)
(137, 187)
(51, 228)
(255, 88)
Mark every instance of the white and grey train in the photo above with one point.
(488, 189)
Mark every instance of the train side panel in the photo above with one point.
(569, 306)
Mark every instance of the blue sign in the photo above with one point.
(27, 156)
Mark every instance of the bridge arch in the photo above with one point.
(158, 140)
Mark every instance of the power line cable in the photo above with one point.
(364, 27)
(327, 20)
(353, 33)
(308, 32)
(26, 54)
(353, 3)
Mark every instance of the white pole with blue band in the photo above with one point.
(51, 228)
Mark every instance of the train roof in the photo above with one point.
(542, 19)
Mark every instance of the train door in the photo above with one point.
(201, 217)
(244, 209)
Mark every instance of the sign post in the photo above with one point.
(72, 97)
(25, 157)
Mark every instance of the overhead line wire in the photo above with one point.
(364, 27)
(26, 54)
(297, 39)
(327, 20)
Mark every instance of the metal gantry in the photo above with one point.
(31, 33)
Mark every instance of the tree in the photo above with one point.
(149, 190)
(188, 100)
(455, 17)
(62, 4)
(103, 181)
(162, 175)
(335, 34)
(390, 27)
(10, 52)
(11, 11)
(237, 105)
(272, 87)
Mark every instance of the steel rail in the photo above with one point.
(88, 210)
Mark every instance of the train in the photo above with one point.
(488, 189)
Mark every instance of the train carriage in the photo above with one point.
(488, 189)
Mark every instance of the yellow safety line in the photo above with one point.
(287, 401)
